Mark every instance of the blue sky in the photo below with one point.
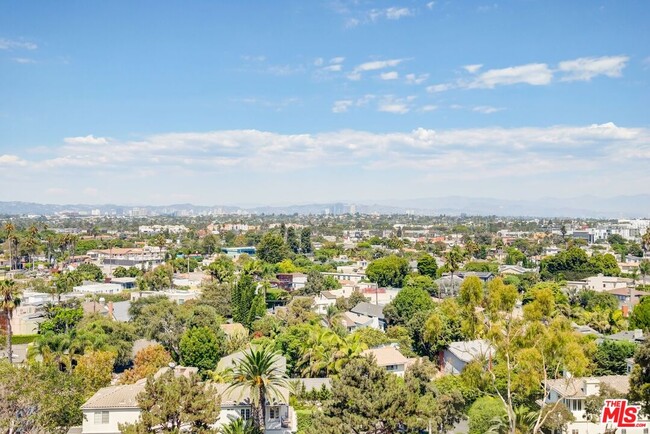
(303, 101)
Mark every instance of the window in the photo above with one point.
(575, 404)
(575, 431)
(245, 413)
(392, 367)
(101, 417)
(645, 430)
(274, 413)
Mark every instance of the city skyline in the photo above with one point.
(301, 103)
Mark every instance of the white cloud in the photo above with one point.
(333, 68)
(397, 13)
(392, 75)
(390, 104)
(430, 5)
(429, 108)
(486, 109)
(336, 60)
(173, 162)
(12, 44)
(250, 58)
(472, 69)
(11, 160)
(354, 76)
(342, 106)
(392, 13)
(439, 87)
(318, 61)
(535, 74)
(377, 64)
(416, 79)
(87, 140)
(23, 60)
(586, 68)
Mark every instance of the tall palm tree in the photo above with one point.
(9, 300)
(258, 373)
(11, 238)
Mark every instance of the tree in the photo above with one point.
(64, 283)
(222, 269)
(158, 318)
(640, 377)
(9, 300)
(305, 241)
(644, 267)
(482, 414)
(407, 303)
(423, 282)
(38, 398)
(243, 296)
(427, 266)
(170, 402)
(388, 271)
(90, 272)
(200, 347)
(470, 298)
(259, 373)
(146, 362)
(365, 399)
(219, 296)
(272, 248)
(640, 317)
(611, 357)
(317, 283)
(95, 369)
(292, 240)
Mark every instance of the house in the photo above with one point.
(599, 283)
(125, 282)
(585, 330)
(280, 418)
(291, 281)
(389, 358)
(354, 321)
(623, 295)
(373, 311)
(514, 270)
(485, 276)
(574, 391)
(458, 354)
(323, 300)
(633, 336)
(114, 405)
(236, 252)
(99, 288)
(177, 296)
(146, 257)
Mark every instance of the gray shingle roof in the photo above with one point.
(369, 309)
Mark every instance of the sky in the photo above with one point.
(289, 102)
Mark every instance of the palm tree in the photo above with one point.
(9, 300)
(238, 426)
(453, 259)
(332, 317)
(11, 239)
(259, 374)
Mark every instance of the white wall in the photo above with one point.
(115, 418)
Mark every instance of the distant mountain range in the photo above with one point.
(584, 206)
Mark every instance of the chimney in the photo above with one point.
(591, 386)
(626, 310)
(110, 309)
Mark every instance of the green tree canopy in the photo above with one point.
(388, 271)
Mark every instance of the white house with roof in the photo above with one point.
(115, 405)
(574, 391)
(458, 354)
(389, 358)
